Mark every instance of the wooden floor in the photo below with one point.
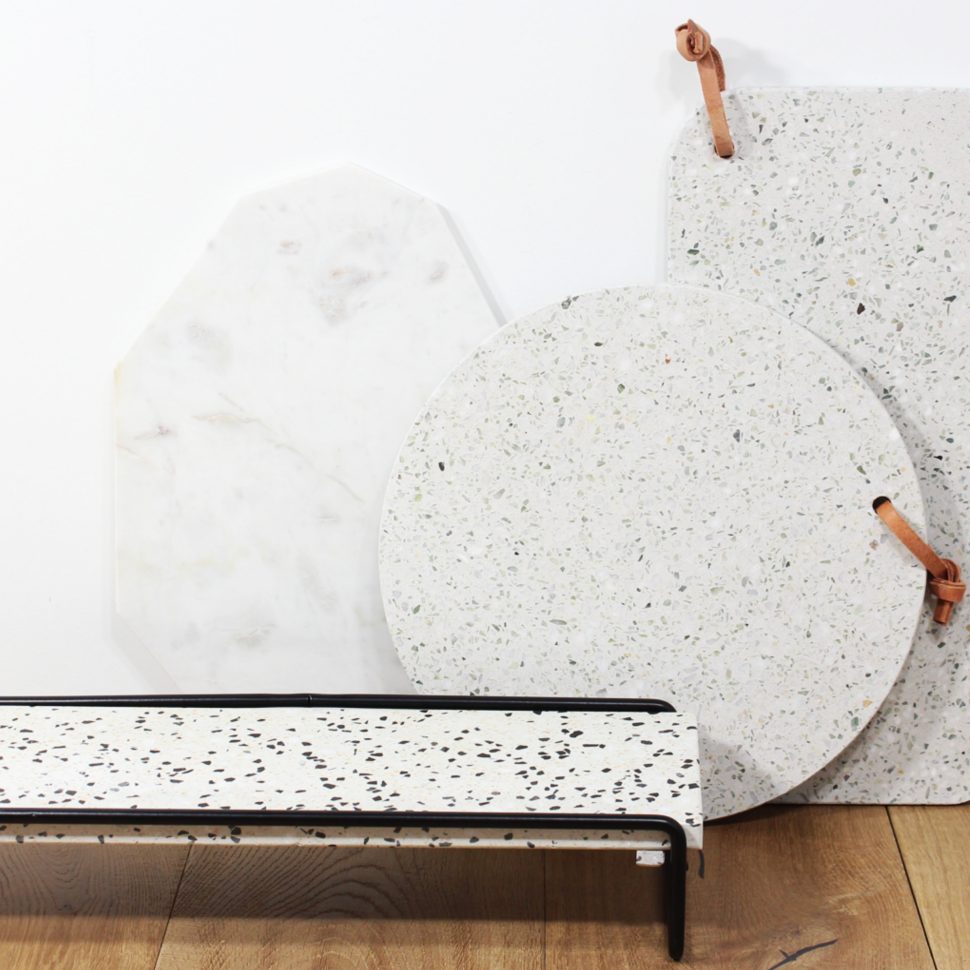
(815, 887)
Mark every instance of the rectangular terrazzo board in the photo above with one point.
(849, 211)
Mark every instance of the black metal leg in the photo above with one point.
(675, 870)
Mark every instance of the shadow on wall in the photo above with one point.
(743, 66)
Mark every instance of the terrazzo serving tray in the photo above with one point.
(374, 770)
(258, 417)
(661, 491)
(848, 211)
(280, 771)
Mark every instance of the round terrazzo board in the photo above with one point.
(664, 492)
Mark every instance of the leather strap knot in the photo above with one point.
(949, 590)
(694, 44)
(945, 582)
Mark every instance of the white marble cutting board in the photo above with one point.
(665, 492)
(257, 419)
(849, 212)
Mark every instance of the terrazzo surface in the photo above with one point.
(659, 492)
(347, 759)
(257, 419)
(849, 212)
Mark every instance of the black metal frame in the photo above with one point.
(675, 862)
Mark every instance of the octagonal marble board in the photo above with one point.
(666, 492)
(849, 212)
(257, 419)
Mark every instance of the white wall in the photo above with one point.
(127, 130)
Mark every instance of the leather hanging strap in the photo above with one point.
(945, 582)
(694, 43)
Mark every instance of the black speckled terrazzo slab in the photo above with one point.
(147, 759)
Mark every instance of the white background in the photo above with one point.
(128, 129)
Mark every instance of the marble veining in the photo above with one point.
(849, 212)
(348, 759)
(665, 492)
(257, 419)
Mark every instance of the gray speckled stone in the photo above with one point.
(849, 211)
(664, 492)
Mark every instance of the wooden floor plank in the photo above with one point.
(935, 843)
(818, 887)
(77, 907)
(603, 912)
(252, 908)
(779, 884)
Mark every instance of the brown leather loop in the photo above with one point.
(694, 44)
(945, 581)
